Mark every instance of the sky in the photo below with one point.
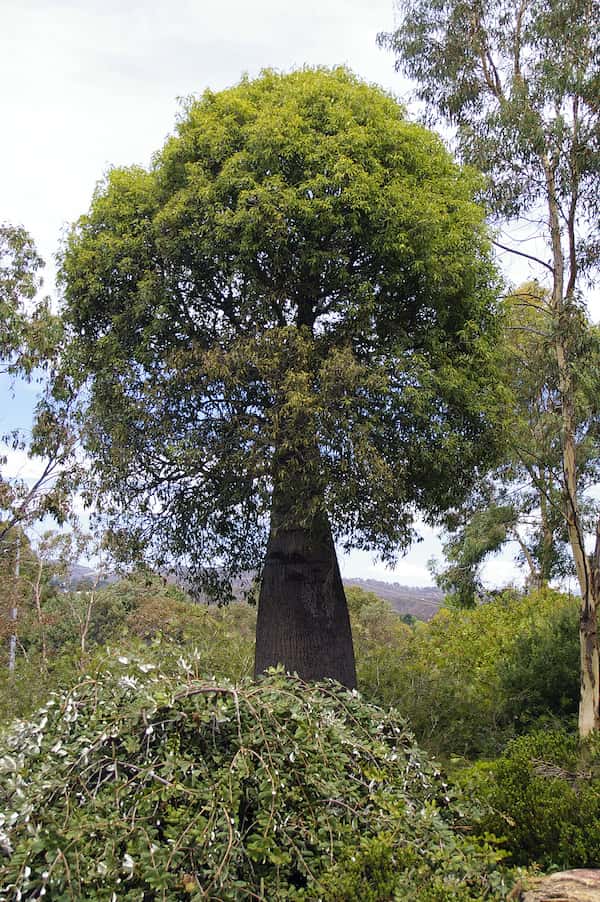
(88, 84)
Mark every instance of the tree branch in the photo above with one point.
(512, 250)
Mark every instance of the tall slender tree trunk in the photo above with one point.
(12, 646)
(589, 704)
(585, 565)
(547, 553)
(37, 597)
(303, 620)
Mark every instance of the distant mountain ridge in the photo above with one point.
(420, 601)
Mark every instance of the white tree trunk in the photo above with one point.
(586, 567)
(589, 704)
(12, 648)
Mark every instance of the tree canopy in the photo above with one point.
(285, 326)
(299, 260)
(520, 81)
(25, 335)
(29, 338)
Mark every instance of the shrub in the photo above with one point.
(469, 680)
(420, 863)
(149, 783)
(543, 794)
(539, 679)
(135, 612)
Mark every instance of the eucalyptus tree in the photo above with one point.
(283, 327)
(29, 337)
(520, 82)
(20, 266)
(522, 500)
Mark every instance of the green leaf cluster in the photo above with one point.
(543, 796)
(522, 500)
(28, 331)
(469, 680)
(143, 781)
(136, 612)
(520, 82)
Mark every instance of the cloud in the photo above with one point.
(20, 466)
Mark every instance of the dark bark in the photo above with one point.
(303, 620)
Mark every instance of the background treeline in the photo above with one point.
(468, 680)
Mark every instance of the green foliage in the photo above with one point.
(374, 622)
(147, 781)
(368, 874)
(28, 334)
(538, 679)
(469, 679)
(134, 612)
(13, 589)
(544, 797)
(521, 83)
(521, 500)
(358, 811)
(299, 291)
(427, 868)
(32, 682)
(485, 531)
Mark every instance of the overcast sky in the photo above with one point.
(88, 84)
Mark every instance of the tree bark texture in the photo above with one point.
(303, 620)
(589, 704)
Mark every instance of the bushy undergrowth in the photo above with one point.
(142, 767)
(135, 611)
(470, 680)
(543, 795)
(146, 782)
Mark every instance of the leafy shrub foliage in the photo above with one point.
(468, 681)
(432, 866)
(135, 611)
(539, 679)
(147, 782)
(543, 794)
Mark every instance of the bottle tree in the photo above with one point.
(283, 327)
(520, 83)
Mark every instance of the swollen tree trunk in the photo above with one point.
(303, 618)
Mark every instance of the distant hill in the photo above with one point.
(421, 602)
(80, 577)
(79, 574)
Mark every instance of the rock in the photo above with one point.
(581, 885)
